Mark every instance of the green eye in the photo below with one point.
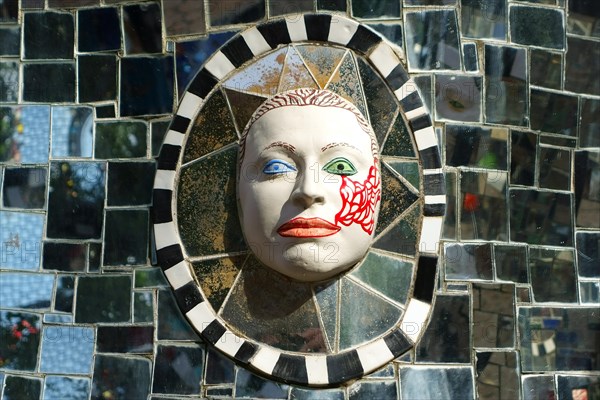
(340, 166)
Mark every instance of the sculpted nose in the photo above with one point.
(308, 191)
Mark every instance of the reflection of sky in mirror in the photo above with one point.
(16, 290)
(36, 134)
(67, 349)
(72, 131)
(61, 388)
(21, 238)
(91, 176)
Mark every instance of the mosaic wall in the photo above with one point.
(88, 89)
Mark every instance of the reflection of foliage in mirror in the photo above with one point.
(19, 340)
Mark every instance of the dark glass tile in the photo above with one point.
(395, 199)
(470, 57)
(32, 4)
(10, 41)
(9, 11)
(114, 375)
(587, 197)
(555, 168)
(582, 63)
(511, 263)
(76, 200)
(216, 277)
(333, 5)
(542, 218)
(522, 158)
(589, 292)
(48, 35)
(483, 19)
(375, 9)
(253, 386)
(497, 375)
(178, 369)
(21, 235)
(447, 338)
(427, 30)
(125, 339)
(538, 386)
(65, 289)
(451, 218)
(372, 390)
(9, 81)
(506, 100)
(572, 332)
(203, 193)
(24, 134)
(212, 129)
(458, 97)
(130, 183)
(172, 325)
(589, 126)
(143, 307)
(72, 131)
(552, 275)
(191, 55)
(184, 17)
(552, 112)
(453, 382)
(71, 3)
(560, 141)
(583, 18)
(525, 22)
(326, 296)
(158, 131)
(484, 208)
(142, 26)
(106, 111)
(24, 188)
(215, 392)
(242, 107)
(20, 335)
(97, 77)
(343, 83)
(235, 11)
(17, 387)
(546, 69)
(150, 278)
(429, 2)
(478, 147)
(62, 387)
(494, 316)
(99, 29)
(126, 237)
(588, 254)
(16, 291)
(523, 295)
(573, 386)
(392, 32)
(219, 369)
(94, 255)
(292, 7)
(146, 86)
(67, 349)
(468, 261)
(95, 305)
(122, 139)
(49, 83)
(65, 256)
(316, 394)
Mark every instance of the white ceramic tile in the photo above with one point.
(255, 41)
(189, 105)
(219, 65)
(179, 275)
(165, 235)
(164, 179)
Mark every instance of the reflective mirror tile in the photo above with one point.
(511, 263)
(483, 19)
(458, 98)
(49, 82)
(20, 335)
(468, 261)
(67, 349)
(478, 147)
(105, 111)
(436, 383)
(93, 305)
(530, 208)
(560, 141)
(172, 325)
(451, 218)
(522, 158)
(150, 278)
(538, 387)
(9, 81)
(253, 386)
(15, 290)
(125, 339)
(559, 339)
(158, 131)
(552, 112)
(432, 29)
(429, 2)
(558, 264)
(583, 18)
(577, 386)
(447, 337)
(219, 369)
(142, 28)
(113, 374)
(71, 3)
(546, 69)
(589, 126)
(497, 375)
(48, 35)
(130, 183)
(375, 9)
(21, 238)
(24, 188)
(554, 168)
(589, 292)
(392, 32)
(32, 4)
(316, 394)
(470, 57)
(587, 197)
(126, 237)
(97, 77)
(371, 390)
(506, 97)
(588, 254)
(178, 369)
(121, 139)
(65, 291)
(143, 307)
(10, 11)
(146, 85)
(94, 257)
(235, 11)
(24, 134)
(72, 132)
(17, 387)
(584, 53)
(99, 29)
(333, 5)
(493, 316)
(184, 17)
(292, 7)
(525, 23)
(76, 200)
(62, 387)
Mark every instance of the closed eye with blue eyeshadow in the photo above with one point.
(277, 166)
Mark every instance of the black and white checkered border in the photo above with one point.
(299, 368)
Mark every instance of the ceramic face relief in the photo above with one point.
(308, 185)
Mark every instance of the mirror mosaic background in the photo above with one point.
(87, 89)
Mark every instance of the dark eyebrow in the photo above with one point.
(284, 145)
(338, 144)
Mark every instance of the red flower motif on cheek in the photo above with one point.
(359, 200)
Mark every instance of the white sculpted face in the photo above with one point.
(309, 190)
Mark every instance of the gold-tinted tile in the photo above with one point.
(346, 83)
(321, 61)
(242, 106)
(261, 77)
(216, 277)
(295, 74)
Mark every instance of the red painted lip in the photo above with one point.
(307, 228)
